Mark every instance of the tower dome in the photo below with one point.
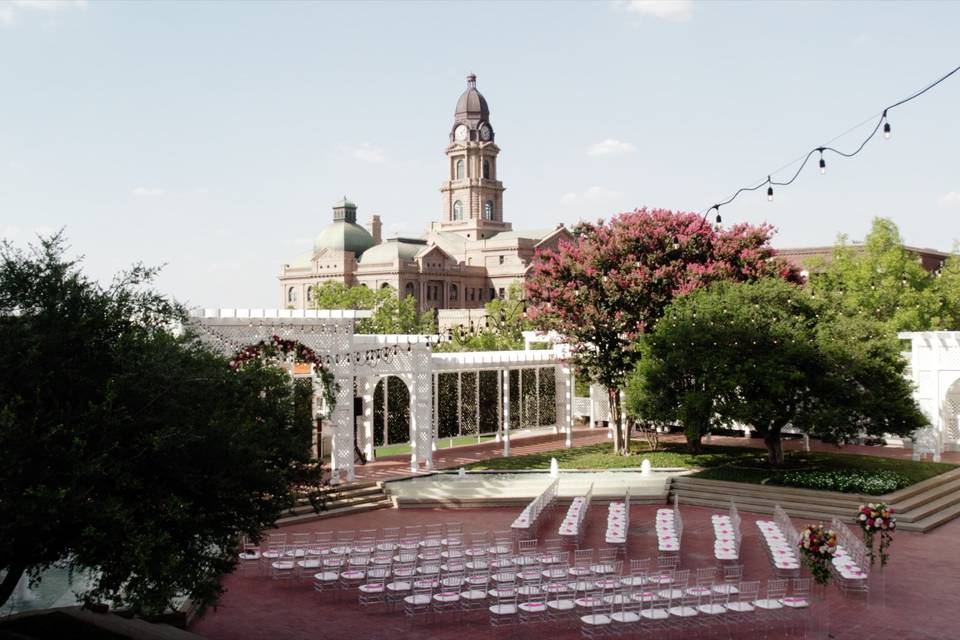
(472, 106)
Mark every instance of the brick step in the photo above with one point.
(311, 515)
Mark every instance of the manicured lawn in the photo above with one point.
(442, 443)
(599, 456)
(740, 464)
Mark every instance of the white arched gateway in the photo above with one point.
(935, 370)
(530, 388)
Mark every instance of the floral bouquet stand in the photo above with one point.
(874, 518)
(817, 548)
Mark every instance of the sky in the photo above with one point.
(214, 137)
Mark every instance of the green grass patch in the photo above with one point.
(826, 471)
(442, 443)
(601, 456)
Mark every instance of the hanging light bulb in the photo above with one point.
(886, 126)
(769, 190)
(823, 163)
(719, 219)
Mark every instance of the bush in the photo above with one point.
(871, 483)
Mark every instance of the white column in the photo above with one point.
(568, 416)
(414, 426)
(499, 405)
(436, 411)
(520, 397)
(386, 410)
(369, 384)
(593, 407)
(506, 412)
(459, 403)
(476, 398)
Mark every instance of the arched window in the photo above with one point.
(488, 210)
(292, 295)
(460, 169)
(454, 294)
(408, 290)
(458, 210)
(309, 294)
(385, 285)
(486, 169)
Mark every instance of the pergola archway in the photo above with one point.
(935, 371)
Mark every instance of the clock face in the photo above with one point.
(485, 132)
(461, 132)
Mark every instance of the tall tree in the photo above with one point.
(501, 330)
(611, 283)
(391, 314)
(883, 281)
(769, 354)
(129, 450)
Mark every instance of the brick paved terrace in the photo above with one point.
(913, 599)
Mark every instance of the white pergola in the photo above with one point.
(935, 371)
(359, 361)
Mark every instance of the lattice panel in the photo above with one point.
(951, 424)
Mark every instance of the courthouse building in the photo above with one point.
(464, 260)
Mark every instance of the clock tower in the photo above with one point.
(472, 194)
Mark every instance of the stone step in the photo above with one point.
(928, 509)
(918, 501)
(342, 502)
(774, 492)
(933, 520)
(906, 493)
(311, 515)
(748, 502)
(449, 501)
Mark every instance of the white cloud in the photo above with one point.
(148, 192)
(10, 9)
(366, 152)
(610, 147)
(591, 195)
(673, 10)
(950, 200)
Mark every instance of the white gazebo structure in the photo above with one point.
(935, 371)
(360, 361)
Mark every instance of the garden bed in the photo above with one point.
(843, 472)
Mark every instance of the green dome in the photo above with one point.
(391, 250)
(344, 236)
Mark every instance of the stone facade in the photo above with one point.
(463, 261)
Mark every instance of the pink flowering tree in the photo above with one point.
(611, 283)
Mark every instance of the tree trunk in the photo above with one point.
(774, 446)
(613, 397)
(14, 572)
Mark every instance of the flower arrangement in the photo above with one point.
(817, 547)
(280, 350)
(877, 517)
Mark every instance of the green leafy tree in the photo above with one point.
(502, 330)
(128, 450)
(391, 314)
(770, 355)
(885, 282)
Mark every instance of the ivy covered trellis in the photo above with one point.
(288, 353)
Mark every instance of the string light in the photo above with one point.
(882, 123)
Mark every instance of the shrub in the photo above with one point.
(871, 483)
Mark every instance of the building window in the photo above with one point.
(493, 293)
(486, 169)
(500, 293)
(460, 169)
(292, 295)
(458, 210)
(453, 292)
(501, 259)
(309, 294)
(488, 210)
(408, 290)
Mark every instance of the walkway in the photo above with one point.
(396, 467)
